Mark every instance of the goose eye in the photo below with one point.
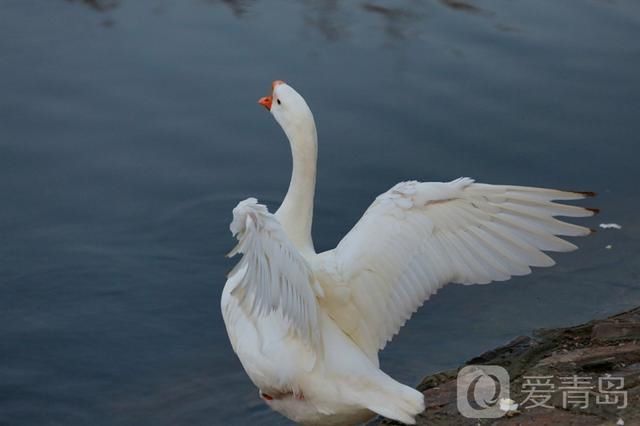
(279, 103)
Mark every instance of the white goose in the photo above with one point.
(307, 327)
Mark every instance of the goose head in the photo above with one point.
(290, 110)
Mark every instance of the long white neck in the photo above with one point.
(296, 211)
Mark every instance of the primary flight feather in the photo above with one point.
(308, 326)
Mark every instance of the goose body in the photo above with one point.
(307, 327)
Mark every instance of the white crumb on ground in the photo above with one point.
(610, 226)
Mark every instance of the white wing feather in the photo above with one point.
(417, 237)
(276, 278)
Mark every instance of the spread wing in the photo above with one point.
(417, 237)
(275, 276)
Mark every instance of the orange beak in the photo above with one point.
(268, 100)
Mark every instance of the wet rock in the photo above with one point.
(613, 331)
(585, 375)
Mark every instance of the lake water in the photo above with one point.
(130, 130)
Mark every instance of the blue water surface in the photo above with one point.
(130, 130)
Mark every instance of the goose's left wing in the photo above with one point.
(274, 275)
(417, 237)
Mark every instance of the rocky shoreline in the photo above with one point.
(583, 375)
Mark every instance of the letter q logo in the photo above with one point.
(479, 389)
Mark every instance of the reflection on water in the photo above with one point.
(462, 6)
(327, 17)
(398, 21)
(238, 7)
(124, 151)
(99, 5)
(333, 18)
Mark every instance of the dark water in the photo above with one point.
(130, 130)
